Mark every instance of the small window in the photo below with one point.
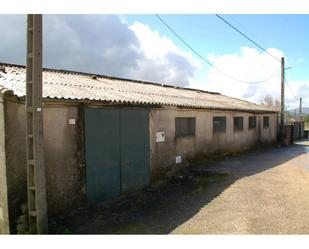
(238, 123)
(265, 121)
(219, 124)
(185, 127)
(252, 122)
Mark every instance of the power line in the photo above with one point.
(203, 58)
(241, 27)
(286, 82)
(248, 38)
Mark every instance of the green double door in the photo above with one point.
(117, 152)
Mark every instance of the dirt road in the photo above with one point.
(273, 201)
(264, 192)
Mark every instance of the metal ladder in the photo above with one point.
(37, 206)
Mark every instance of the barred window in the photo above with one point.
(252, 122)
(185, 127)
(219, 124)
(265, 121)
(238, 123)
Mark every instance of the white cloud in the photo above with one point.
(300, 89)
(106, 44)
(163, 58)
(156, 46)
(251, 65)
(103, 44)
(247, 65)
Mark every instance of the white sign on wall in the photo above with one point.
(178, 159)
(72, 121)
(160, 136)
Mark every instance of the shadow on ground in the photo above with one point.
(162, 208)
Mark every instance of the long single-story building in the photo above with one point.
(105, 136)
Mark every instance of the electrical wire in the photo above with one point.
(259, 46)
(248, 38)
(205, 60)
(286, 82)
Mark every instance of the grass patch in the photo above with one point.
(132, 228)
(202, 183)
(211, 179)
(199, 190)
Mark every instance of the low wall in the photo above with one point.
(289, 134)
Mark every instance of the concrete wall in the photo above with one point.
(298, 130)
(205, 142)
(269, 135)
(63, 158)
(64, 151)
(288, 134)
(4, 212)
(16, 159)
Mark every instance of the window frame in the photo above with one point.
(235, 128)
(255, 119)
(180, 126)
(268, 122)
(218, 130)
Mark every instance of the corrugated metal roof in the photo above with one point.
(60, 84)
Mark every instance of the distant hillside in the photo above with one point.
(305, 111)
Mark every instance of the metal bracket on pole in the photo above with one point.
(37, 204)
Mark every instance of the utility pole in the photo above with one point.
(300, 109)
(282, 101)
(37, 204)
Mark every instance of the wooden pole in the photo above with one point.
(282, 100)
(37, 205)
(300, 109)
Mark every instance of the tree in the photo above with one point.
(269, 101)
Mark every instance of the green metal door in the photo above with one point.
(117, 152)
(102, 137)
(135, 172)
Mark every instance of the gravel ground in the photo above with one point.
(263, 192)
(273, 201)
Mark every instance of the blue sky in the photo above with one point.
(208, 34)
(141, 47)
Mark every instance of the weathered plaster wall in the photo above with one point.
(268, 135)
(4, 216)
(63, 145)
(205, 142)
(64, 169)
(63, 158)
(16, 159)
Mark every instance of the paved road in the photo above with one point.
(270, 196)
(265, 192)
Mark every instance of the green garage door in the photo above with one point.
(117, 152)
(102, 152)
(134, 149)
